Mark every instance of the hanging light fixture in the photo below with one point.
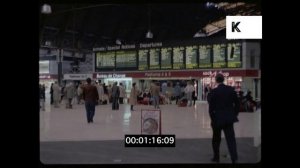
(118, 42)
(46, 9)
(200, 33)
(149, 34)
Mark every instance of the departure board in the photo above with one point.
(234, 55)
(166, 58)
(105, 60)
(126, 59)
(219, 53)
(205, 56)
(191, 57)
(154, 55)
(143, 59)
(178, 58)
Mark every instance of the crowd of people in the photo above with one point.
(167, 93)
(247, 104)
(224, 102)
(180, 93)
(72, 93)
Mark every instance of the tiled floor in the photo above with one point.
(196, 151)
(187, 123)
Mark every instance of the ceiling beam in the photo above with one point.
(82, 29)
(62, 30)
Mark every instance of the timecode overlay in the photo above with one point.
(149, 140)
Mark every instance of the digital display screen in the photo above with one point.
(178, 58)
(125, 59)
(191, 61)
(205, 60)
(234, 55)
(219, 56)
(105, 60)
(154, 55)
(143, 59)
(166, 58)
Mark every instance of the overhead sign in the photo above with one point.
(45, 76)
(143, 59)
(219, 56)
(191, 57)
(205, 60)
(126, 59)
(154, 56)
(178, 58)
(128, 46)
(105, 60)
(77, 76)
(158, 74)
(102, 76)
(214, 73)
(166, 58)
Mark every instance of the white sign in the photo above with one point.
(158, 74)
(243, 27)
(151, 122)
(214, 73)
(77, 76)
(45, 76)
(44, 67)
(102, 76)
(149, 45)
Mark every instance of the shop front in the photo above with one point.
(110, 78)
(239, 79)
(45, 76)
(47, 80)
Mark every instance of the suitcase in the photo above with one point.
(183, 103)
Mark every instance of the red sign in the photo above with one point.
(47, 76)
(189, 74)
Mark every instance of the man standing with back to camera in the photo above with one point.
(223, 111)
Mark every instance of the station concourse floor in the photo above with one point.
(67, 138)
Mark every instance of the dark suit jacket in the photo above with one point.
(223, 105)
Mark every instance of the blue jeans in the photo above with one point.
(115, 104)
(189, 98)
(90, 110)
(156, 101)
